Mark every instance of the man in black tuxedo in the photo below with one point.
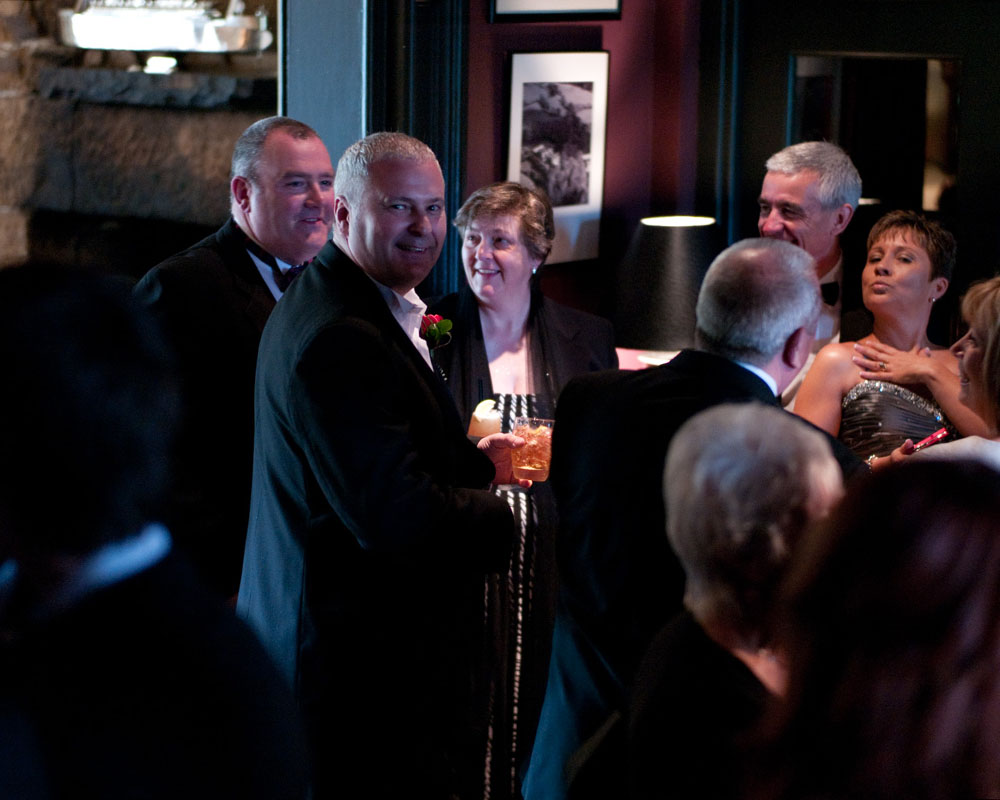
(370, 530)
(213, 300)
(619, 579)
(808, 197)
(121, 676)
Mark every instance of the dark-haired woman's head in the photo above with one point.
(935, 241)
(893, 638)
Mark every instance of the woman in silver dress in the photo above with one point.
(894, 384)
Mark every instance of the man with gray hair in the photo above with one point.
(741, 484)
(809, 195)
(619, 580)
(213, 300)
(371, 529)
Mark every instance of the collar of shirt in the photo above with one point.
(268, 274)
(771, 382)
(408, 310)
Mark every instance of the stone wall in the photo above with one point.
(18, 34)
(86, 143)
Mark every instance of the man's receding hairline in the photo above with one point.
(799, 171)
(814, 184)
(367, 184)
(415, 160)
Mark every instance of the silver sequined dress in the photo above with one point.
(878, 416)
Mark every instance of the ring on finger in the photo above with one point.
(882, 366)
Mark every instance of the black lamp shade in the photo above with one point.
(657, 284)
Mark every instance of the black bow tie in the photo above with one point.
(282, 279)
(831, 292)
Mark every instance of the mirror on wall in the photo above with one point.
(896, 116)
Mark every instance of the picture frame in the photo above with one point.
(554, 10)
(556, 141)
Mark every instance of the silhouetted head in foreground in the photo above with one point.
(86, 413)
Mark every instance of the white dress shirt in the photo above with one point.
(408, 310)
(771, 382)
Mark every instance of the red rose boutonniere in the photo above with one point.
(434, 329)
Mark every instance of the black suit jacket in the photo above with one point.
(146, 688)
(369, 537)
(693, 710)
(619, 579)
(212, 304)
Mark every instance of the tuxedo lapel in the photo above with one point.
(259, 301)
(247, 280)
(562, 329)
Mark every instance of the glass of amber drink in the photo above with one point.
(531, 462)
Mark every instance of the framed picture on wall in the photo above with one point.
(562, 10)
(556, 138)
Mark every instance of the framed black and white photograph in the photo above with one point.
(551, 10)
(558, 115)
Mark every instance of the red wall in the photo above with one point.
(652, 121)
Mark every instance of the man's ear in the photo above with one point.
(844, 215)
(341, 215)
(240, 187)
(797, 347)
